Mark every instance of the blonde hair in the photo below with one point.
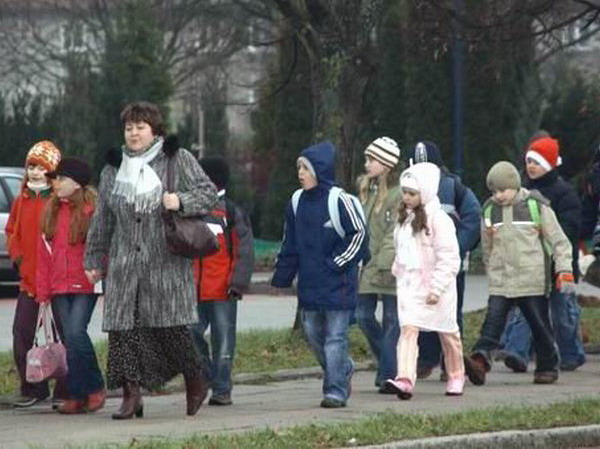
(383, 183)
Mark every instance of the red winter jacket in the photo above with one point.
(60, 264)
(230, 268)
(23, 232)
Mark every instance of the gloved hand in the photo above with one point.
(565, 282)
(17, 265)
(385, 278)
(232, 293)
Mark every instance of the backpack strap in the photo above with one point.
(334, 211)
(229, 225)
(487, 215)
(534, 211)
(296, 200)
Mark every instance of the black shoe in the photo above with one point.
(545, 377)
(220, 399)
(387, 388)
(476, 368)
(423, 372)
(26, 401)
(570, 366)
(515, 363)
(332, 403)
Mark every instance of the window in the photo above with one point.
(14, 185)
(4, 204)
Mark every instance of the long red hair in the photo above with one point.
(82, 204)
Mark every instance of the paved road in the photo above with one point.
(256, 311)
(282, 404)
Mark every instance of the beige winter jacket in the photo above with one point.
(513, 246)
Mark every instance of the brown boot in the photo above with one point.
(132, 402)
(196, 390)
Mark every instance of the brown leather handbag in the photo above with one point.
(186, 236)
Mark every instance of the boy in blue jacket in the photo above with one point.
(327, 268)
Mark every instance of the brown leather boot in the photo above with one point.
(132, 402)
(196, 390)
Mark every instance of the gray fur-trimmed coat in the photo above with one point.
(131, 249)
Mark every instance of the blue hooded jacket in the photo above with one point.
(457, 200)
(326, 264)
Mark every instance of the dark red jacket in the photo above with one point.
(230, 268)
(23, 232)
(60, 264)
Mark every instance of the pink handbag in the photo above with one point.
(50, 359)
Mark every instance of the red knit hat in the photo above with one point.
(545, 152)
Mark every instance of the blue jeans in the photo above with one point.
(327, 335)
(221, 316)
(565, 313)
(535, 311)
(84, 376)
(382, 337)
(430, 348)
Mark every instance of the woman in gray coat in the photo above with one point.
(149, 299)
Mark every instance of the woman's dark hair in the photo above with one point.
(144, 111)
(419, 223)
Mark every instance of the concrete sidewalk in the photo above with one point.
(282, 404)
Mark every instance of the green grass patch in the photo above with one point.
(387, 427)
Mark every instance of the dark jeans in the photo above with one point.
(24, 324)
(84, 375)
(535, 311)
(221, 316)
(430, 348)
(565, 313)
(382, 337)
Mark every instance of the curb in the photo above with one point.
(560, 438)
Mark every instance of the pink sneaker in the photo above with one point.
(454, 387)
(403, 387)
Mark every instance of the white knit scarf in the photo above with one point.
(407, 250)
(137, 182)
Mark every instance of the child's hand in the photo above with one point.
(565, 282)
(93, 276)
(385, 277)
(432, 299)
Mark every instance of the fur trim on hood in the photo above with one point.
(114, 156)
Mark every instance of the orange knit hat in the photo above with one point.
(43, 153)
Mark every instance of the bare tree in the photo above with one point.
(37, 37)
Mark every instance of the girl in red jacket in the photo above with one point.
(61, 278)
(22, 235)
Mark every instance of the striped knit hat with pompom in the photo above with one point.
(384, 150)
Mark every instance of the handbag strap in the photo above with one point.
(171, 174)
(46, 322)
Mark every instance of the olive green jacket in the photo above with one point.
(516, 249)
(376, 276)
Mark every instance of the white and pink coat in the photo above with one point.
(427, 262)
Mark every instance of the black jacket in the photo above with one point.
(566, 205)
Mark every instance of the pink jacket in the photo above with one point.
(60, 264)
(434, 263)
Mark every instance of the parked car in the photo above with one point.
(11, 179)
